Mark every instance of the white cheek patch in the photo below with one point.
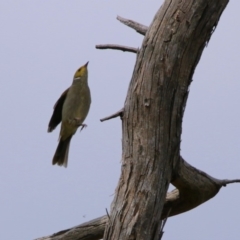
(77, 78)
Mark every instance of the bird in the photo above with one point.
(71, 109)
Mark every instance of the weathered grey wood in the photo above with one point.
(152, 120)
(117, 47)
(91, 230)
(195, 188)
(117, 114)
(153, 114)
(140, 28)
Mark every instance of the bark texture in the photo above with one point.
(152, 119)
(153, 114)
(195, 188)
(91, 230)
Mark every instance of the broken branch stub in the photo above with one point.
(117, 47)
(140, 28)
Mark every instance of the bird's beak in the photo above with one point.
(86, 64)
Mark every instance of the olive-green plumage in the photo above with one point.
(71, 108)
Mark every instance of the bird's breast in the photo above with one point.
(77, 104)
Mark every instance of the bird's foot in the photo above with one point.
(78, 123)
(83, 126)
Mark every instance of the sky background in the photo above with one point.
(42, 44)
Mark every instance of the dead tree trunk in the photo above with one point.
(152, 126)
(153, 113)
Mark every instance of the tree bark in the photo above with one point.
(92, 230)
(153, 114)
(194, 188)
(152, 118)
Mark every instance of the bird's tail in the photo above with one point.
(61, 154)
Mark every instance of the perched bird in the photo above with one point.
(71, 108)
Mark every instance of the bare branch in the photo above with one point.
(107, 213)
(117, 47)
(92, 230)
(226, 181)
(194, 187)
(117, 114)
(163, 225)
(140, 28)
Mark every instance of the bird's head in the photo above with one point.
(81, 72)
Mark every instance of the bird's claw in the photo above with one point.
(77, 122)
(83, 126)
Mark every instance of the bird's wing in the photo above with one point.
(57, 112)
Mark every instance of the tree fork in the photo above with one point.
(152, 120)
(153, 114)
(194, 188)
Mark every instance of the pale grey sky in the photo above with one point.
(42, 43)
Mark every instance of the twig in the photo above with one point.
(163, 224)
(107, 213)
(117, 47)
(117, 114)
(142, 29)
(226, 181)
(109, 220)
